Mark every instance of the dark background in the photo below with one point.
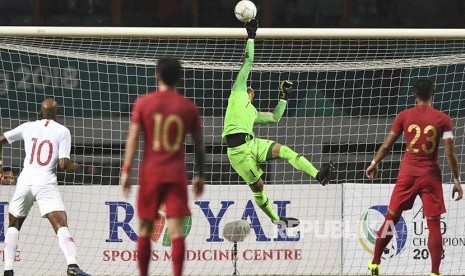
(219, 13)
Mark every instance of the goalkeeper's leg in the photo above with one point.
(302, 164)
(264, 203)
(245, 160)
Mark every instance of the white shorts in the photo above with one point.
(47, 196)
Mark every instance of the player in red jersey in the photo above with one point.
(165, 117)
(419, 173)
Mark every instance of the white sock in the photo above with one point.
(11, 244)
(67, 245)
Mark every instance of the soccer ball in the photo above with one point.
(245, 10)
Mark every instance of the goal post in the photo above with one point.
(350, 85)
(264, 33)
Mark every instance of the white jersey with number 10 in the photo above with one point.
(45, 142)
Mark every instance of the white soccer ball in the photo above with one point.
(245, 10)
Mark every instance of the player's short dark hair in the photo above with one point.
(423, 89)
(9, 169)
(169, 70)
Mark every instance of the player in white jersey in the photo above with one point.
(47, 143)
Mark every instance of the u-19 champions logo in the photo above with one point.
(368, 227)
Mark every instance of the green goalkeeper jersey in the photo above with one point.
(241, 115)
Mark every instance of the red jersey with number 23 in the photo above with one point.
(423, 127)
(166, 117)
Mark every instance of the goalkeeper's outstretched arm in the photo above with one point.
(274, 116)
(240, 84)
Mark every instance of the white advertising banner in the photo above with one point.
(365, 206)
(104, 226)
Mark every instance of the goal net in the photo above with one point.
(349, 89)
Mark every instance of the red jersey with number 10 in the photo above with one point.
(423, 127)
(165, 117)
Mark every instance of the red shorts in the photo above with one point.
(152, 194)
(429, 188)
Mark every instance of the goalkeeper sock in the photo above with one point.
(264, 203)
(298, 161)
(435, 244)
(178, 248)
(67, 245)
(11, 244)
(143, 255)
(384, 236)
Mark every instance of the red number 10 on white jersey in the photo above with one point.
(45, 142)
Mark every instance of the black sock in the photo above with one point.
(73, 266)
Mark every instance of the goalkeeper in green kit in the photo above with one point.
(245, 152)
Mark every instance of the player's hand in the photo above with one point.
(73, 167)
(251, 26)
(197, 186)
(285, 88)
(1, 174)
(125, 184)
(457, 189)
(372, 171)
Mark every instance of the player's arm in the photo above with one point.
(2, 141)
(199, 153)
(386, 147)
(391, 138)
(9, 137)
(67, 165)
(396, 130)
(275, 116)
(452, 161)
(64, 152)
(240, 84)
(451, 156)
(132, 144)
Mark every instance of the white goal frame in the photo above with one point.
(302, 33)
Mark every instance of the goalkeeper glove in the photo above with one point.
(251, 26)
(285, 87)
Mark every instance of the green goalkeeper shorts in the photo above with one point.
(245, 159)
